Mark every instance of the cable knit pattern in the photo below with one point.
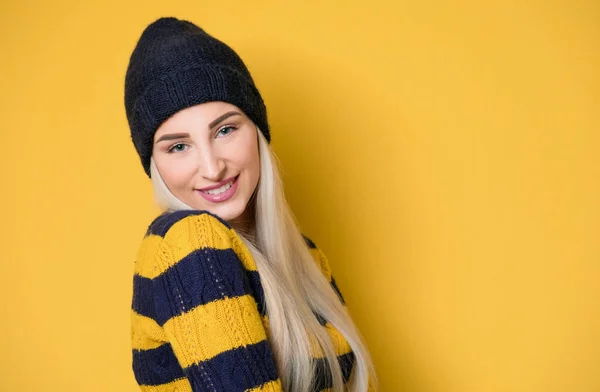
(198, 320)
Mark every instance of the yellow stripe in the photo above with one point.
(146, 254)
(179, 385)
(271, 386)
(145, 332)
(213, 328)
(195, 232)
(265, 321)
(322, 261)
(339, 341)
(191, 233)
(242, 251)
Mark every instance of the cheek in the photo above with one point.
(248, 159)
(175, 173)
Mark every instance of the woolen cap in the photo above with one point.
(176, 64)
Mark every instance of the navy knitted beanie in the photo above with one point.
(175, 65)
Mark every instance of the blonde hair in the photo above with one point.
(293, 286)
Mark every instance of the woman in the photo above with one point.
(228, 294)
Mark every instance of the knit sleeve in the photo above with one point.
(201, 298)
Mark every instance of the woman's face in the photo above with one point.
(205, 145)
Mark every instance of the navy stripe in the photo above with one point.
(234, 370)
(203, 276)
(143, 295)
(321, 319)
(257, 291)
(323, 377)
(337, 289)
(164, 221)
(309, 242)
(143, 301)
(156, 366)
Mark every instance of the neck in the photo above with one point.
(245, 223)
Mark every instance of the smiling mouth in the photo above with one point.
(221, 189)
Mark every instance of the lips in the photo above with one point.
(223, 196)
(226, 181)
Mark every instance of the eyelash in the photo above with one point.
(170, 150)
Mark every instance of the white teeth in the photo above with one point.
(219, 190)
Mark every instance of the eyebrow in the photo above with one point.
(213, 123)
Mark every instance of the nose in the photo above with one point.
(210, 164)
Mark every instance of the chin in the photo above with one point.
(227, 211)
(227, 214)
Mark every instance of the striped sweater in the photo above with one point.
(198, 320)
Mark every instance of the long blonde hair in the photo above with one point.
(293, 286)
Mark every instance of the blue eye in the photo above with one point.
(227, 127)
(170, 150)
(174, 148)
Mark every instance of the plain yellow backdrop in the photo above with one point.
(442, 154)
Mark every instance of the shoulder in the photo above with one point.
(165, 221)
(175, 234)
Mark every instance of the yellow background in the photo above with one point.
(442, 154)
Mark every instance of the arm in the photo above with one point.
(198, 285)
